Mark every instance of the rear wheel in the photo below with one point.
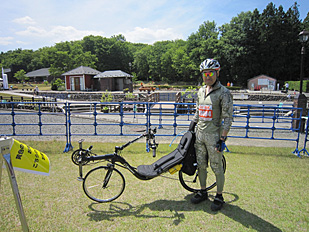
(104, 184)
(192, 184)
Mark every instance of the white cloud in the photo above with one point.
(147, 35)
(32, 31)
(6, 40)
(24, 20)
(22, 42)
(57, 33)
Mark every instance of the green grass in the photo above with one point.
(26, 86)
(266, 190)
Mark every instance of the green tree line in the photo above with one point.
(252, 43)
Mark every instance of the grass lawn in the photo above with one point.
(32, 87)
(267, 189)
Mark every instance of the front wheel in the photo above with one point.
(104, 184)
(192, 184)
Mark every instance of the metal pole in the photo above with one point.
(6, 158)
(303, 52)
(19, 205)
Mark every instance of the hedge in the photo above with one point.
(295, 85)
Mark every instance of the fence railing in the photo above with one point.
(69, 119)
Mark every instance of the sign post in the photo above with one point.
(18, 156)
(5, 157)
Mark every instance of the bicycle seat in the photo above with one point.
(167, 161)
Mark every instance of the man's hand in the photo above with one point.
(220, 145)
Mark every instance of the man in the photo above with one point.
(286, 86)
(214, 105)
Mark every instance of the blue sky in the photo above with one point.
(38, 23)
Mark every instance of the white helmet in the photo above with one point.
(210, 64)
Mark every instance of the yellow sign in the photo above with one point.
(25, 158)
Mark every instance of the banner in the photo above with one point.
(5, 80)
(25, 158)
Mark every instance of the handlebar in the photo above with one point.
(151, 144)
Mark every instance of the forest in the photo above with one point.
(252, 43)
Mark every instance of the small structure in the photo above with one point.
(114, 80)
(39, 75)
(147, 88)
(80, 79)
(262, 82)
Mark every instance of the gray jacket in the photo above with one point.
(213, 108)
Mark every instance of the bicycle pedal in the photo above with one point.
(80, 178)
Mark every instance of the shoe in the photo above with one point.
(199, 197)
(217, 203)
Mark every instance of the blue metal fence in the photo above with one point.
(271, 122)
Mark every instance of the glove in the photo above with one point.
(220, 145)
(192, 126)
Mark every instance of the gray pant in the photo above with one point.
(205, 146)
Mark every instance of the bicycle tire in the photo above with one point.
(192, 184)
(93, 184)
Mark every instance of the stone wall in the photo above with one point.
(268, 97)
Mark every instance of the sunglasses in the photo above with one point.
(210, 74)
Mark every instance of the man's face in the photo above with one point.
(209, 77)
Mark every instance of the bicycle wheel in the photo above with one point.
(104, 184)
(192, 184)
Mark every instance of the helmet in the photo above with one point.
(209, 64)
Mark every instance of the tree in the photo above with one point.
(203, 43)
(140, 64)
(111, 53)
(56, 84)
(232, 49)
(21, 76)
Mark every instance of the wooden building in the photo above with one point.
(114, 80)
(39, 75)
(262, 82)
(81, 79)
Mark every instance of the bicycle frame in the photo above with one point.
(115, 159)
(108, 179)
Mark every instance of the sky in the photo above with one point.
(33, 24)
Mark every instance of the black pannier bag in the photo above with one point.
(189, 163)
(175, 157)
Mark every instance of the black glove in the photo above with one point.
(192, 126)
(220, 145)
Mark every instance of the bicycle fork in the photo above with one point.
(108, 175)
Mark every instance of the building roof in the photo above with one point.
(81, 71)
(43, 72)
(112, 73)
